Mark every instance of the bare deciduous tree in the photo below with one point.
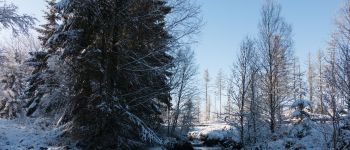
(332, 92)
(220, 85)
(310, 79)
(242, 78)
(184, 89)
(340, 41)
(207, 100)
(275, 49)
(320, 82)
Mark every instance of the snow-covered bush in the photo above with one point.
(12, 76)
(302, 108)
(302, 127)
(305, 135)
(344, 137)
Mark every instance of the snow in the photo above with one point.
(27, 134)
(147, 134)
(313, 136)
(214, 131)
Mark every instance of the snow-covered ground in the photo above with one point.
(307, 135)
(214, 130)
(27, 134)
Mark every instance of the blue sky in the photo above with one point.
(227, 22)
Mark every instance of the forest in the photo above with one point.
(116, 74)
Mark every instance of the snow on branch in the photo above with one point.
(146, 133)
(63, 4)
(9, 18)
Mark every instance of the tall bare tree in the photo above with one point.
(184, 89)
(331, 91)
(310, 79)
(320, 82)
(275, 45)
(220, 85)
(340, 41)
(207, 100)
(242, 78)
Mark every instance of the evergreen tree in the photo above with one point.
(48, 29)
(117, 54)
(42, 79)
(301, 128)
(12, 76)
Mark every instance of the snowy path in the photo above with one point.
(19, 135)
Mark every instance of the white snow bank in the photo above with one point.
(214, 131)
(308, 135)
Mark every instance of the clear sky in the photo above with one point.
(227, 22)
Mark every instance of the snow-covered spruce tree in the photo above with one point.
(9, 105)
(13, 74)
(301, 113)
(301, 108)
(42, 79)
(188, 116)
(117, 54)
(9, 18)
(299, 85)
(37, 61)
(48, 29)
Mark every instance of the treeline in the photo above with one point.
(107, 72)
(268, 89)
